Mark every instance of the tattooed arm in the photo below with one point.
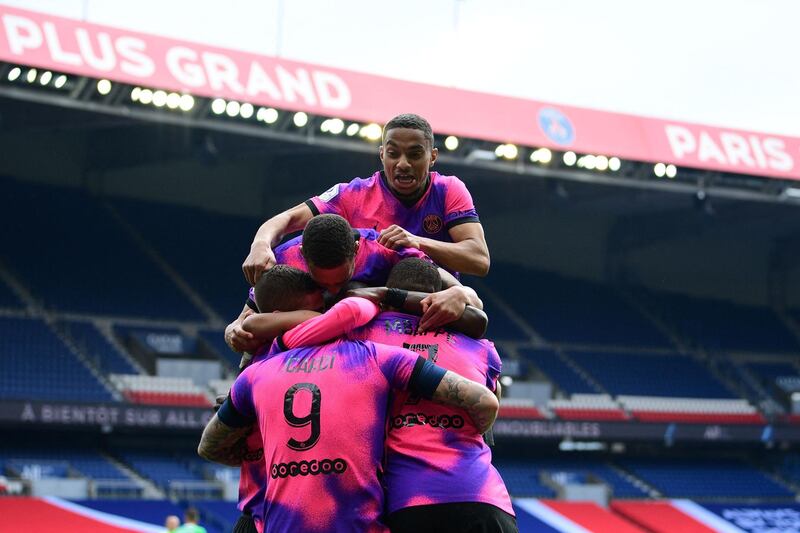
(478, 401)
(223, 444)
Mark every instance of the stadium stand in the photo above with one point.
(97, 349)
(706, 478)
(528, 476)
(35, 363)
(522, 408)
(555, 367)
(157, 390)
(587, 407)
(124, 281)
(718, 325)
(181, 235)
(673, 375)
(554, 305)
(8, 299)
(691, 410)
(215, 340)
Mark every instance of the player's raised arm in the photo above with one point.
(479, 402)
(468, 253)
(261, 256)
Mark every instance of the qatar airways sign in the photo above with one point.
(62, 44)
(67, 45)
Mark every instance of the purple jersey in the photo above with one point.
(321, 412)
(373, 261)
(434, 453)
(369, 203)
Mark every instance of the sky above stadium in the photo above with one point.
(717, 62)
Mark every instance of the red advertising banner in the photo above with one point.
(66, 45)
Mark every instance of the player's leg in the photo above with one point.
(470, 517)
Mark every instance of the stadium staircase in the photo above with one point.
(82, 356)
(150, 491)
(211, 315)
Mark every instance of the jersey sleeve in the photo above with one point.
(331, 201)
(346, 315)
(238, 409)
(407, 370)
(494, 365)
(458, 208)
(251, 299)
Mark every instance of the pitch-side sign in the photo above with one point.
(66, 45)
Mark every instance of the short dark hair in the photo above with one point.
(410, 121)
(282, 288)
(328, 241)
(414, 274)
(191, 514)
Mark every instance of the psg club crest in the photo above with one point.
(432, 224)
(556, 126)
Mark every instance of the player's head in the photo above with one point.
(329, 248)
(172, 523)
(414, 274)
(285, 288)
(191, 515)
(407, 153)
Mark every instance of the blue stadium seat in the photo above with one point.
(34, 363)
(90, 264)
(672, 375)
(97, 348)
(566, 310)
(216, 341)
(8, 299)
(705, 478)
(206, 249)
(557, 370)
(719, 326)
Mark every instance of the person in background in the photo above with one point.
(171, 523)
(190, 519)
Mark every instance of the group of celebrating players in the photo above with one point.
(371, 415)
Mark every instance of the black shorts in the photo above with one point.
(470, 517)
(245, 524)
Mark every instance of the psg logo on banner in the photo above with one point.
(556, 126)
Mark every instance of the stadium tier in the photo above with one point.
(557, 369)
(672, 375)
(157, 390)
(216, 342)
(123, 280)
(96, 348)
(718, 326)
(35, 363)
(205, 249)
(709, 478)
(572, 311)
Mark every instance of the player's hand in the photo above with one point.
(259, 259)
(373, 294)
(442, 307)
(240, 340)
(395, 237)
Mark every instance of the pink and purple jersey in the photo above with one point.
(373, 261)
(434, 453)
(369, 203)
(321, 412)
(345, 315)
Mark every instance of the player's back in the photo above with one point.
(434, 450)
(321, 411)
